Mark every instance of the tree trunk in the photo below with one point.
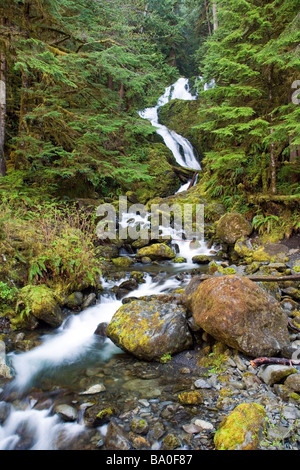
(2, 111)
(215, 16)
(145, 15)
(207, 17)
(273, 165)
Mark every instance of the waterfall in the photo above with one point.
(180, 147)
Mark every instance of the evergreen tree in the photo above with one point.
(253, 58)
(76, 74)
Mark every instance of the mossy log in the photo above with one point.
(291, 277)
(285, 199)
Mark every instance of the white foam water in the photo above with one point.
(180, 147)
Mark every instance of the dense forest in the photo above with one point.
(74, 76)
(188, 341)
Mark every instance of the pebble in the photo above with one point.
(94, 389)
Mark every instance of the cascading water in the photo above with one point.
(74, 345)
(180, 147)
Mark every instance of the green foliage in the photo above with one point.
(253, 60)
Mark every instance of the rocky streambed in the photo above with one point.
(157, 373)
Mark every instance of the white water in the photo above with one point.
(75, 340)
(180, 147)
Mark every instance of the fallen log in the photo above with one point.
(291, 277)
(274, 360)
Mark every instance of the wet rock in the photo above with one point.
(149, 330)
(201, 259)
(240, 314)
(231, 227)
(156, 251)
(98, 415)
(139, 426)
(66, 412)
(101, 330)
(122, 261)
(116, 438)
(74, 300)
(242, 428)
(97, 388)
(89, 301)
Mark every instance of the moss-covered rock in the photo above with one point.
(156, 252)
(122, 262)
(41, 302)
(194, 397)
(163, 179)
(150, 329)
(242, 429)
(231, 227)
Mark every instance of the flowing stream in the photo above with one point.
(62, 354)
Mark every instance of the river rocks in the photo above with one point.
(149, 330)
(42, 303)
(240, 314)
(242, 428)
(157, 251)
(231, 227)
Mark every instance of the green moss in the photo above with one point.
(39, 301)
(157, 251)
(241, 429)
(191, 398)
(122, 262)
(170, 442)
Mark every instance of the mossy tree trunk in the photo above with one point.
(2, 111)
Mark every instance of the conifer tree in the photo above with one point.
(253, 58)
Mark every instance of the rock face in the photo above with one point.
(150, 329)
(239, 313)
(231, 227)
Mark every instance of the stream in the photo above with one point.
(70, 359)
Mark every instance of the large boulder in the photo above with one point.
(150, 329)
(231, 227)
(239, 313)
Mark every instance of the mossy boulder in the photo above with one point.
(40, 302)
(150, 329)
(239, 313)
(201, 259)
(231, 227)
(271, 252)
(123, 262)
(157, 251)
(242, 429)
